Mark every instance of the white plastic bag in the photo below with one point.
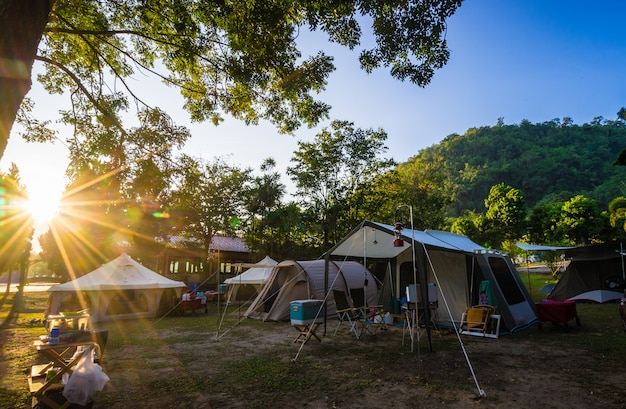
(86, 381)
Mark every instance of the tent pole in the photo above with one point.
(326, 263)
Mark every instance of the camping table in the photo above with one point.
(557, 312)
(192, 305)
(40, 383)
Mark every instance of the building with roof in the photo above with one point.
(187, 261)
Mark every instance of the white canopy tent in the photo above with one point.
(120, 289)
(251, 280)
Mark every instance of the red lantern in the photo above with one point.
(398, 242)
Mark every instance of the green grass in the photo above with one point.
(173, 348)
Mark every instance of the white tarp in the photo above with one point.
(257, 274)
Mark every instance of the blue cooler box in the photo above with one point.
(304, 312)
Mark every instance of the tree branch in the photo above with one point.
(85, 91)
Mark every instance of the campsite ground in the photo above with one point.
(208, 361)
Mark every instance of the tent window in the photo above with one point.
(127, 302)
(72, 302)
(506, 281)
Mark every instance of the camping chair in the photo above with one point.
(480, 320)
(346, 312)
(370, 314)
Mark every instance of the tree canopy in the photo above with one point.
(549, 162)
(239, 58)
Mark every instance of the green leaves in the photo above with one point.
(334, 170)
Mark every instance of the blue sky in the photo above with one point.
(525, 59)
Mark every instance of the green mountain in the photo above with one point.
(549, 162)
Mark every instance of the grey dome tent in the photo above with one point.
(298, 280)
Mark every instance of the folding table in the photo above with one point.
(41, 381)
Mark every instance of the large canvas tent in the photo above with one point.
(594, 271)
(249, 283)
(454, 263)
(299, 280)
(120, 289)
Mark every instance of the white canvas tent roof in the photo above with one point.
(119, 289)
(375, 240)
(257, 274)
(123, 273)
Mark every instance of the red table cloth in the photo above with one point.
(556, 311)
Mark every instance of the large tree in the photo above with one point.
(238, 57)
(207, 199)
(329, 171)
(506, 213)
(16, 231)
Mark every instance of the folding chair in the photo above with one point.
(370, 314)
(480, 320)
(346, 312)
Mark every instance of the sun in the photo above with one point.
(42, 207)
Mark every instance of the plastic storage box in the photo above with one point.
(304, 312)
(68, 323)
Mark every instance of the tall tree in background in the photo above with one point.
(208, 198)
(331, 169)
(235, 57)
(16, 231)
(543, 222)
(271, 226)
(506, 213)
(581, 221)
(423, 183)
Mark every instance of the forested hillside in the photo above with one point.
(548, 162)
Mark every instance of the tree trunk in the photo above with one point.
(22, 24)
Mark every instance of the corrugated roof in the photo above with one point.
(218, 243)
(223, 243)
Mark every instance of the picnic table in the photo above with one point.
(191, 305)
(557, 312)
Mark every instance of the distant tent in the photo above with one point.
(120, 289)
(299, 280)
(247, 284)
(593, 268)
(454, 263)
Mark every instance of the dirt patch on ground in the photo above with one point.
(375, 371)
